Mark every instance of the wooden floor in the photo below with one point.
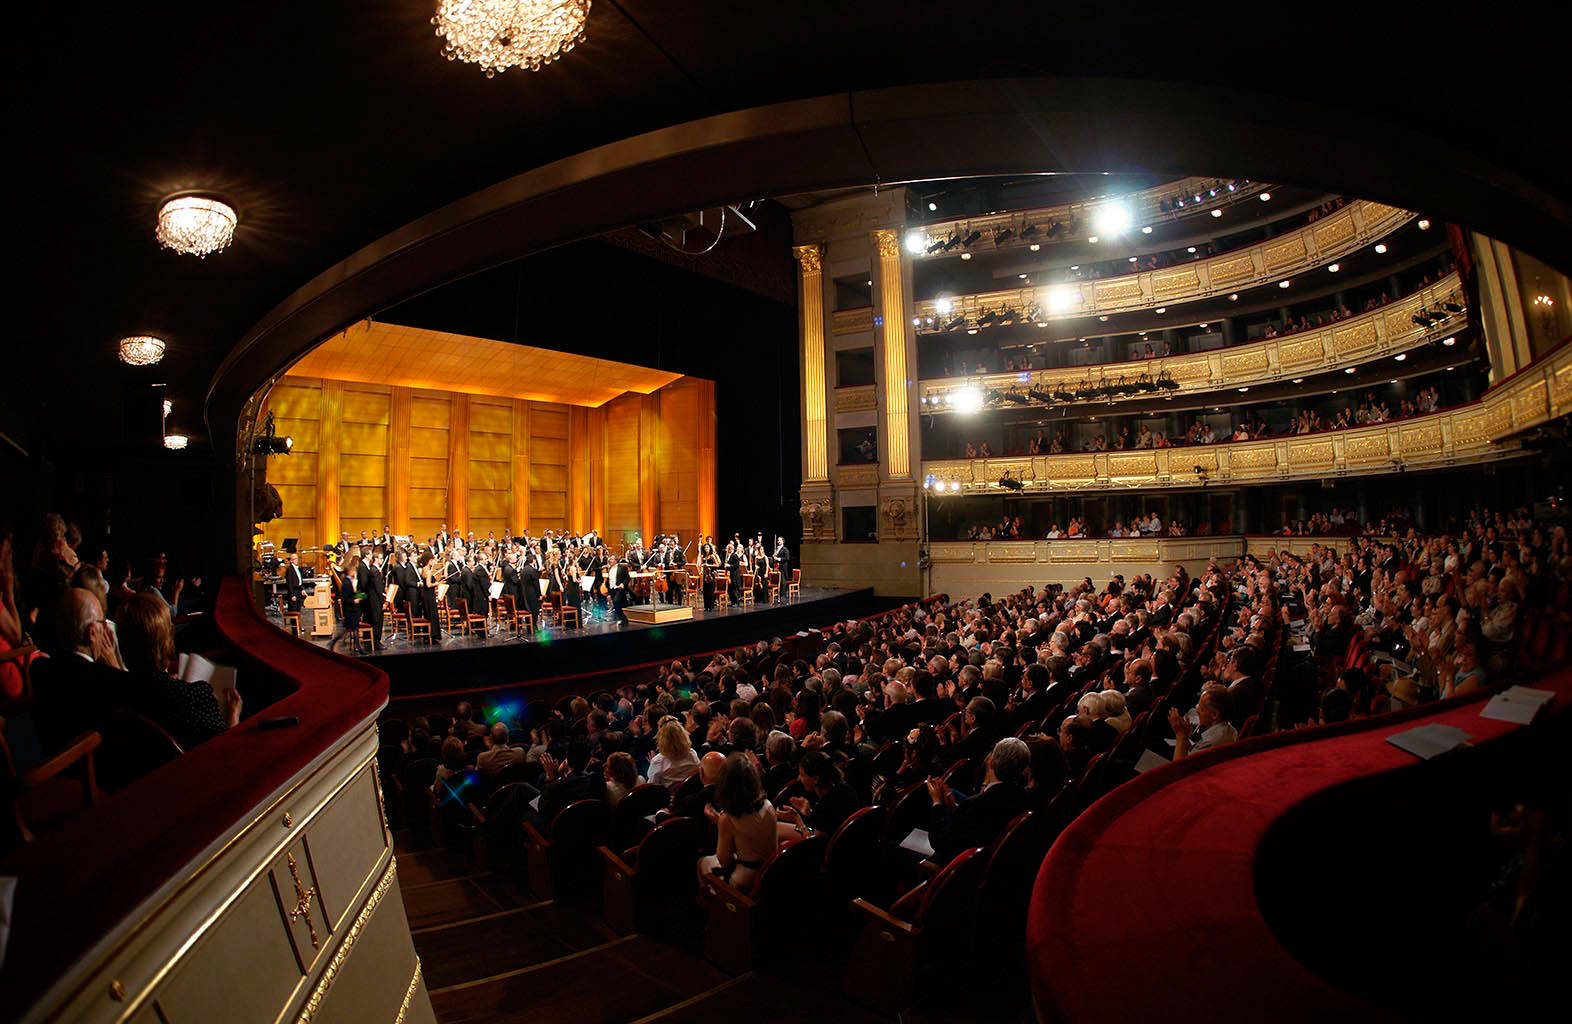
(490, 951)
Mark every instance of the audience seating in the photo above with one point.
(565, 859)
(629, 819)
(746, 928)
(133, 745)
(47, 794)
(928, 926)
(659, 870)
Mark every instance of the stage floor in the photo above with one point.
(500, 659)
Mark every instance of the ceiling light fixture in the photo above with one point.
(1233, 297)
(141, 350)
(195, 225)
(1266, 197)
(176, 442)
(1035, 246)
(1400, 357)
(1334, 268)
(502, 34)
(1146, 230)
(1217, 213)
(1113, 219)
(1424, 224)
(1299, 380)
(1162, 309)
(933, 207)
(966, 255)
(1350, 369)
(1283, 283)
(1380, 248)
(1449, 342)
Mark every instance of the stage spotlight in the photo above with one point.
(1010, 483)
(1212, 193)
(955, 485)
(966, 255)
(943, 304)
(957, 322)
(1161, 309)
(1231, 186)
(915, 242)
(1060, 299)
(1233, 297)
(1029, 230)
(1113, 219)
(1179, 203)
(1351, 369)
(1054, 229)
(916, 321)
(971, 238)
(1016, 397)
(935, 247)
(987, 319)
(1190, 249)
(1039, 396)
(952, 241)
(1035, 247)
(967, 400)
(1299, 380)
(1000, 237)
(1452, 307)
(1283, 283)
(271, 444)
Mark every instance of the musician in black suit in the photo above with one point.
(369, 581)
(675, 561)
(529, 587)
(783, 563)
(294, 584)
(618, 581)
(403, 575)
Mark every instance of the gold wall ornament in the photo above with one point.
(810, 258)
(816, 522)
(409, 994)
(851, 321)
(858, 399)
(889, 247)
(303, 897)
(319, 992)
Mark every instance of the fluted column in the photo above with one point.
(399, 403)
(519, 479)
(895, 399)
(816, 465)
(458, 464)
(330, 431)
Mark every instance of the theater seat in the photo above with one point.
(852, 860)
(929, 926)
(566, 860)
(660, 872)
(629, 818)
(46, 794)
(133, 746)
(747, 928)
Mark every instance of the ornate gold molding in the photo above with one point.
(810, 258)
(857, 476)
(1280, 257)
(859, 399)
(851, 321)
(409, 994)
(1479, 432)
(1363, 338)
(346, 945)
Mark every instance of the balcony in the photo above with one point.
(1322, 241)
(1473, 433)
(1385, 331)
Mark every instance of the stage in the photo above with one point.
(469, 663)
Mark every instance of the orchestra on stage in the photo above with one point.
(382, 583)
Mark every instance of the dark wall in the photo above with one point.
(601, 300)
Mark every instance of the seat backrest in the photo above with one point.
(518, 771)
(887, 759)
(791, 870)
(854, 846)
(643, 800)
(909, 811)
(1015, 858)
(133, 745)
(948, 904)
(666, 853)
(580, 826)
(691, 785)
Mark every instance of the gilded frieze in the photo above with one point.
(1498, 418)
(1119, 290)
(857, 476)
(1020, 469)
(955, 553)
(851, 321)
(1301, 353)
(1330, 231)
(1354, 338)
(1313, 453)
(1071, 467)
(1252, 459)
(1012, 551)
(1528, 405)
(1230, 269)
(1238, 365)
(1072, 551)
(1137, 465)
(860, 399)
(1207, 460)
(1561, 387)
(1470, 429)
(1370, 447)
(1420, 440)
(1185, 370)
(1181, 281)
(1133, 550)
(1287, 253)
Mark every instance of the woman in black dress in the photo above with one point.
(761, 575)
(348, 602)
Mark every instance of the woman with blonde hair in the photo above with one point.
(675, 762)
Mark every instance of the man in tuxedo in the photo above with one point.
(369, 581)
(443, 538)
(294, 584)
(529, 587)
(674, 560)
(618, 582)
(783, 562)
(958, 823)
(402, 574)
(77, 687)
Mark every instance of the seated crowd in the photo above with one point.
(102, 647)
(1336, 523)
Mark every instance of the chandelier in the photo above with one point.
(195, 225)
(142, 350)
(175, 442)
(501, 34)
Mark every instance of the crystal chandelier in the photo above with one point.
(175, 442)
(196, 225)
(501, 34)
(142, 350)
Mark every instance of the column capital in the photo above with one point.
(810, 258)
(888, 242)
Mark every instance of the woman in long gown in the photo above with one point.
(761, 575)
(734, 566)
(348, 603)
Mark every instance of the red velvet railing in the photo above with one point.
(76, 884)
(1145, 908)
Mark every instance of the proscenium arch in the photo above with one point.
(891, 136)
